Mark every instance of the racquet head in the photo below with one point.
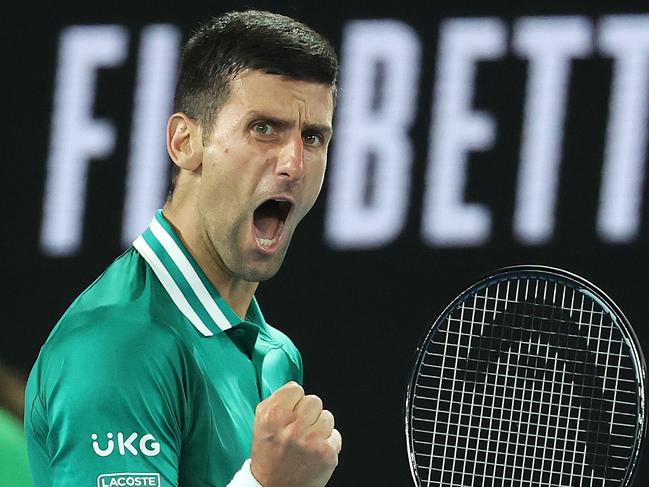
(530, 377)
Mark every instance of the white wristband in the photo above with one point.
(244, 477)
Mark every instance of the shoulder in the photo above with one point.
(286, 344)
(112, 329)
(109, 333)
(280, 337)
(94, 352)
(112, 367)
(119, 309)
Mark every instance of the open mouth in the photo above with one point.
(268, 220)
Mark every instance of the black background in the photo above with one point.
(356, 316)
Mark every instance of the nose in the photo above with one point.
(290, 162)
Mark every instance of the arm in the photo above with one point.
(102, 409)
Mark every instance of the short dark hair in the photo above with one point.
(237, 41)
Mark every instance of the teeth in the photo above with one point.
(266, 242)
(269, 242)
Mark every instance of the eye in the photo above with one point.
(314, 139)
(263, 127)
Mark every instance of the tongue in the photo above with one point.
(266, 221)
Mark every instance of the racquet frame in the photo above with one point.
(556, 275)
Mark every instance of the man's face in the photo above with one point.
(263, 167)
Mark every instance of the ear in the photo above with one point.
(184, 141)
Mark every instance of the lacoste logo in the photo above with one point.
(129, 480)
(147, 445)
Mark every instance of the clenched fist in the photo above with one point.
(294, 441)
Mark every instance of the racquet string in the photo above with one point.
(526, 382)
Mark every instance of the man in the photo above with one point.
(164, 371)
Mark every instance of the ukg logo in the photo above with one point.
(147, 445)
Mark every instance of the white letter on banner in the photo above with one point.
(148, 164)
(372, 157)
(550, 43)
(625, 38)
(456, 130)
(77, 137)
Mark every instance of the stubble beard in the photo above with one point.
(246, 263)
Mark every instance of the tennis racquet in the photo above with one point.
(530, 377)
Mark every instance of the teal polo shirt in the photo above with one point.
(150, 378)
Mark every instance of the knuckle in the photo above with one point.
(294, 387)
(312, 446)
(330, 457)
(336, 440)
(292, 431)
(271, 414)
(327, 454)
(314, 439)
(313, 401)
(327, 416)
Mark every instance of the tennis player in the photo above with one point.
(164, 371)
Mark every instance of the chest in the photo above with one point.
(233, 380)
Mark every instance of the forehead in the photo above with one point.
(256, 91)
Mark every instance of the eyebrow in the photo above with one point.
(316, 127)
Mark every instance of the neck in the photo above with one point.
(237, 292)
